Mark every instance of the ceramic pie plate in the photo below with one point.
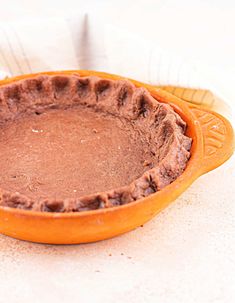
(212, 144)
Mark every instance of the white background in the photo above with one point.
(186, 254)
(199, 30)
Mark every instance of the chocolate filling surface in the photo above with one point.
(71, 143)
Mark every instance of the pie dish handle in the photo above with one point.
(218, 137)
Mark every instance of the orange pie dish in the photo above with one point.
(138, 158)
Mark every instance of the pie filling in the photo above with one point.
(70, 143)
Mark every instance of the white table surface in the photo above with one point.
(185, 254)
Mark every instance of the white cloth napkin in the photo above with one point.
(87, 42)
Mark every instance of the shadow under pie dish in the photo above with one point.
(97, 153)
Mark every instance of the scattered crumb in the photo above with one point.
(129, 257)
(95, 130)
(122, 254)
(141, 225)
(97, 270)
(37, 130)
(110, 255)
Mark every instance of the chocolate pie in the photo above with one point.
(70, 143)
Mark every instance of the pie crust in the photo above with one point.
(71, 143)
